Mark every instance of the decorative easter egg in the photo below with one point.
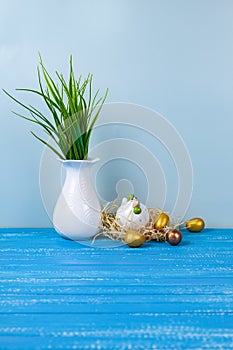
(131, 217)
(174, 237)
(161, 221)
(134, 239)
(195, 225)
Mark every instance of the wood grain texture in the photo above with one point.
(58, 294)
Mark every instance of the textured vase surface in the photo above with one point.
(77, 214)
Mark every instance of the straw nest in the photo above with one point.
(111, 228)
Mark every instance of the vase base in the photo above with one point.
(76, 239)
(65, 237)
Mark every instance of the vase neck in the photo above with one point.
(78, 164)
(78, 171)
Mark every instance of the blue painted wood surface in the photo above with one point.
(58, 294)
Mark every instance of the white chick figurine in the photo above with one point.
(132, 214)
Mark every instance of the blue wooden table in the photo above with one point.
(58, 294)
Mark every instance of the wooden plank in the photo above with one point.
(118, 331)
(56, 293)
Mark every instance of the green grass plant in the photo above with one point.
(72, 108)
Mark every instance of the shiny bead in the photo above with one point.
(137, 210)
(130, 196)
(174, 237)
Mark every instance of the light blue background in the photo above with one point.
(175, 57)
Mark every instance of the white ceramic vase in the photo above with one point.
(77, 214)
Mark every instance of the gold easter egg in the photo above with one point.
(134, 239)
(161, 221)
(195, 225)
